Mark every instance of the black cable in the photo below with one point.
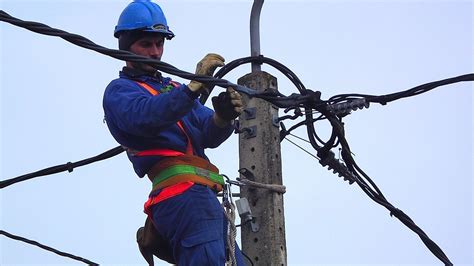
(62, 168)
(378, 197)
(299, 124)
(420, 89)
(257, 59)
(384, 99)
(50, 249)
(275, 98)
(118, 54)
(248, 258)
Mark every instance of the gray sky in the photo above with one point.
(417, 150)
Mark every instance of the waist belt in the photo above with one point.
(185, 168)
(182, 173)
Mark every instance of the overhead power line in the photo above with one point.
(62, 168)
(50, 249)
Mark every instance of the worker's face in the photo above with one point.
(149, 46)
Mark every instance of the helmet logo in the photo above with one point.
(159, 27)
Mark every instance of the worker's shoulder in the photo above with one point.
(121, 83)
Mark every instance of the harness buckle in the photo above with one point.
(203, 172)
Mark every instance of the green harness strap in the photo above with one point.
(187, 169)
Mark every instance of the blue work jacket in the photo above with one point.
(140, 121)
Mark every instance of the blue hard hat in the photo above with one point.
(143, 15)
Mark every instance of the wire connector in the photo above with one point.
(337, 167)
(345, 108)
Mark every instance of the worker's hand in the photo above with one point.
(227, 106)
(206, 67)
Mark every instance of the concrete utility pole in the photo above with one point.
(263, 237)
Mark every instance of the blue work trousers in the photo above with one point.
(194, 222)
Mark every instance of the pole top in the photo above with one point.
(255, 32)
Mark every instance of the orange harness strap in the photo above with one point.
(166, 193)
(165, 152)
(175, 188)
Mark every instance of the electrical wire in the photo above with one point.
(117, 54)
(248, 258)
(62, 168)
(50, 249)
(384, 99)
(303, 149)
(300, 138)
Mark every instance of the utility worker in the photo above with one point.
(165, 129)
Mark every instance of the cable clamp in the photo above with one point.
(70, 167)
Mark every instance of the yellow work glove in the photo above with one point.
(206, 67)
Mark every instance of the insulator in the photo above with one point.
(345, 108)
(337, 167)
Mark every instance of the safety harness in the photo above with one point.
(178, 171)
